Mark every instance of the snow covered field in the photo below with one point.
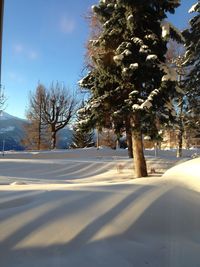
(83, 208)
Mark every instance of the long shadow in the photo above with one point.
(180, 215)
(88, 168)
(18, 210)
(171, 227)
(19, 201)
(87, 233)
(44, 173)
(84, 170)
(162, 236)
(4, 194)
(33, 200)
(64, 170)
(80, 239)
(169, 204)
(62, 211)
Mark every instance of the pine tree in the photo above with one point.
(118, 123)
(130, 76)
(192, 36)
(82, 137)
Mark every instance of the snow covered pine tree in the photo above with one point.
(130, 75)
(82, 137)
(192, 55)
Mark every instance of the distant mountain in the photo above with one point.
(64, 138)
(12, 131)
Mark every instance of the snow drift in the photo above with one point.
(122, 223)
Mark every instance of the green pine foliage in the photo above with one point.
(192, 36)
(82, 137)
(130, 65)
(130, 77)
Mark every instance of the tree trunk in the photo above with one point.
(117, 143)
(180, 130)
(53, 137)
(138, 153)
(40, 124)
(97, 140)
(39, 135)
(180, 144)
(129, 137)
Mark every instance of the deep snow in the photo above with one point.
(81, 209)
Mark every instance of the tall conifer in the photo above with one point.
(82, 137)
(130, 78)
(192, 36)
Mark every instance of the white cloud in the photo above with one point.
(16, 77)
(18, 48)
(32, 54)
(25, 51)
(67, 25)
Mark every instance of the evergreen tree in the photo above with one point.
(82, 137)
(192, 36)
(117, 123)
(130, 77)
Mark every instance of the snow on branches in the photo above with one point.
(169, 30)
(194, 8)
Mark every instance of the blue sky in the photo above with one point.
(44, 40)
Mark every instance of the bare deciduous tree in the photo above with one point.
(49, 111)
(35, 113)
(175, 57)
(58, 108)
(31, 141)
(36, 131)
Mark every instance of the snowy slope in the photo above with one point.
(11, 131)
(5, 116)
(112, 221)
